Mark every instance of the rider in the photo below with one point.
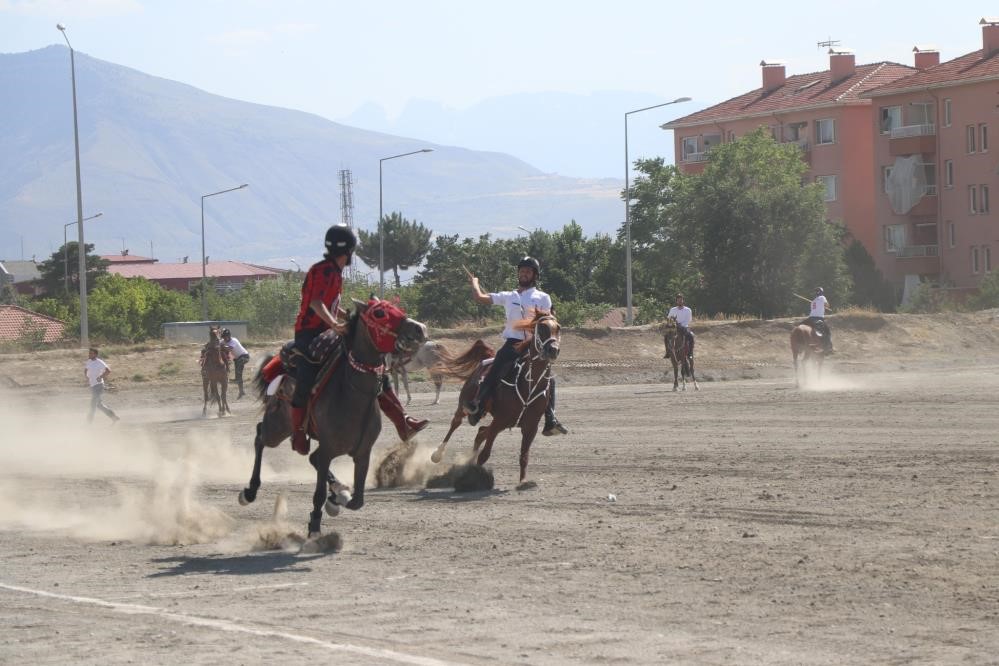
(683, 316)
(519, 304)
(240, 357)
(320, 299)
(816, 319)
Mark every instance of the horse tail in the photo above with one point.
(259, 381)
(465, 365)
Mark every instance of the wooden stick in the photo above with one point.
(467, 271)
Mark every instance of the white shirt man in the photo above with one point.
(237, 349)
(819, 305)
(682, 314)
(95, 370)
(520, 305)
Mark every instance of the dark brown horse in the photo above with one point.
(215, 373)
(521, 396)
(345, 417)
(678, 353)
(808, 345)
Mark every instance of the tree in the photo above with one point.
(869, 286)
(53, 270)
(133, 309)
(757, 233)
(406, 244)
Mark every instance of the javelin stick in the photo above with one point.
(807, 300)
(467, 271)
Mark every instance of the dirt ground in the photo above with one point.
(852, 521)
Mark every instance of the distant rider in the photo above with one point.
(683, 316)
(240, 357)
(520, 304)
(816, 319)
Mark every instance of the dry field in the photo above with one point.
(854, 521)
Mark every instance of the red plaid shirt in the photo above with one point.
(323, 282)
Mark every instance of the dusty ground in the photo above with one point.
(749, 522)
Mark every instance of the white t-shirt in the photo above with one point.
(683, 315)
(237, 349)
(521, 305)
(95, 368)
(819, 305)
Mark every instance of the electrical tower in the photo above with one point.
(347, 207)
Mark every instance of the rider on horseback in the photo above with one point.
(816, 319)
(320, 300)
(519, 304)
(683, 316)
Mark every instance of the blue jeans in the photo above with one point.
(97, 402)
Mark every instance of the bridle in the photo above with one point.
(537, 351)
(541, 348)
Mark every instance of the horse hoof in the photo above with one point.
(315, 534)
(243, 499)
(355, 503)
(332, 508)
(436, 456)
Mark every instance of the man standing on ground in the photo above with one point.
(240, 357)
(95, 370)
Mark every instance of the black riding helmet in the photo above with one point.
(340, 240)
(818, 291)
(225, 333)
(532, 263)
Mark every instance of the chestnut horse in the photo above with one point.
(215, 373)
(678, 353)
(808, 345)
(521, 396)
(345, 417)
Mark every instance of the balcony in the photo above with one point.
(912, 139)
(696, 157)
(913, 251)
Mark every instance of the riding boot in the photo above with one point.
(406, 426)
(299, 440)
(552, 425)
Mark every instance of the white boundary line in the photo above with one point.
(226, 625)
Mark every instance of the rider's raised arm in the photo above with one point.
(479, 295)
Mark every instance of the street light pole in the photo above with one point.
(381, 235)
(65, 250)
(627, 204)
(204, 277)
(84, 323)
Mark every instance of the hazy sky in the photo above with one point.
(329, 57)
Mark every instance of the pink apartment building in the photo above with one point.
(823, 113)
(936, 171)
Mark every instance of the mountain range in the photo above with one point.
(150, 148)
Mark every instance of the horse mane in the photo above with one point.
(527, 326)
(465, 365)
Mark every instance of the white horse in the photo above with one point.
(425, 358)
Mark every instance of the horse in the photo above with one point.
(426, 358)
(678, 353)
(805, 342)
(344, 413)
(215, 373)
(522, 395)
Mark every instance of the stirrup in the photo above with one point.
(554, 428)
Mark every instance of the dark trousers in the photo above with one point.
(819, 324)
(506, 355)
(240, 364)
(689, 335)
(305, 373)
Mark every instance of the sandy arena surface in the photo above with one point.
(856, 521)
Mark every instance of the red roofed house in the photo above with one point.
(126, 258)
(227, 275)
(16, 322)
(824, 113)
(935, 169)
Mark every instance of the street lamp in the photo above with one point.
(523, 229)
(65, 250)
(84, 323)
(627, 202)
(381, 235)
(204, 311)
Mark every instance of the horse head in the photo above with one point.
(388, 329)
(546, 334)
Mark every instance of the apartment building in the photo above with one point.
(937, 175)
(824, 113)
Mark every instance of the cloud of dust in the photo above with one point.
(99, 482)
(830, 381)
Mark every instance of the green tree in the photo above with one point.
(133, 309)
(54, 269)
(406, 244)
(869, 286)
(988, 293)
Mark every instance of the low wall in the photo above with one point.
(197, 331)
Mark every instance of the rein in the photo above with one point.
(365, 368)
(533, 386)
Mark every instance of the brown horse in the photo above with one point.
(345, 417)
(521, 396)
(678, 353)
(808, 345)
(215, 372)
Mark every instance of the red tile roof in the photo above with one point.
(191, 271)
(969, 68)
(15, 321)
(801, 91)
(127, 259)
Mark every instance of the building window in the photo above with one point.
(949, 173)
(951, 234)
(894, 237)
(983, 138)
(983, 198)
(971, 139)
(829, 183)
(987, 258)
(891, 117)
(930, 172)
(972, 199)
(886, 176)
(689, 146)
(946, 118)
(974, 260)
(710, 141)
(825, 131)
(731, 136)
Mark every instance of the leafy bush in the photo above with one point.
(576, 313)
(988, 293)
